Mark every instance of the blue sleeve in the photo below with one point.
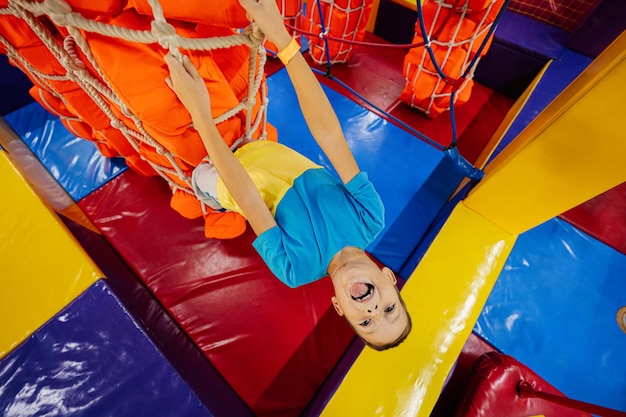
(370, 205)
(269, 245)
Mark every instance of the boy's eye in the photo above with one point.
(365, 322)
(390, 308)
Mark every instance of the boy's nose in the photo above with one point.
(375, 308)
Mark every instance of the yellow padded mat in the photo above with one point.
(42, 268)
(444, 295)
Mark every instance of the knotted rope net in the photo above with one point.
(65, 66)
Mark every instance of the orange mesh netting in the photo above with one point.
(99, 66)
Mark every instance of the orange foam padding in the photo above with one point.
(459, 37)
(225, 13)
(268, 341)
(343, 19)
(135, 72)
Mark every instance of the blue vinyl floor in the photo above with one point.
(554, 308)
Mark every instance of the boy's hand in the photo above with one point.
(186, 82)
(266, 14)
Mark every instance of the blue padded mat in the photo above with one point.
(531, 35)
(413, 179)
(75, 163)
(554, 309)
(92, 359)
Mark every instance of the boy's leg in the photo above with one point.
(204, 180)
(204, 183)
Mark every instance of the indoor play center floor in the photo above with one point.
(553, 307)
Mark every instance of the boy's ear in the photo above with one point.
(390, 275)
(338, 308)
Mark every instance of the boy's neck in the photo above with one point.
(347, 254)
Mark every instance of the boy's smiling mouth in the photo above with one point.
(361, 291)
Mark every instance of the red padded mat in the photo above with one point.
(264, 338)
(492, 391)
(603, 217)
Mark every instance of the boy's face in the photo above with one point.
(368, 298)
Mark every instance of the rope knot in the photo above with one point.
(165, 33)
(71, 62)
(58, 10)
(75, 70)
(254, 32)
(248, 102)
(126, 111)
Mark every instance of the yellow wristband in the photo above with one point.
(289, 51)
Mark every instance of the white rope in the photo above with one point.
(100, 90)
(345, 49)
(95, 90)
(107, 92)
(455, 42)
(252, 126)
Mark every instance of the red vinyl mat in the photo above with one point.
(263, 337)
(603, 217)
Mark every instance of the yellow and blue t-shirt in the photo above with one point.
(316, 214)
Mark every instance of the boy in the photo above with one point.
(308, 224)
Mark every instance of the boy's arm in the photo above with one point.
(190, 88)
(318, 113)
(321, 118)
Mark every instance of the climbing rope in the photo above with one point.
(99, 89)
(161, 32)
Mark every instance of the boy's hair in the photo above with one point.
(400, 339)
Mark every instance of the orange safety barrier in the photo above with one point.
(456, 33)
(224, 13)
(135, 72)
(344, 19)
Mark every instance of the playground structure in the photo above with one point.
(297, 339)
